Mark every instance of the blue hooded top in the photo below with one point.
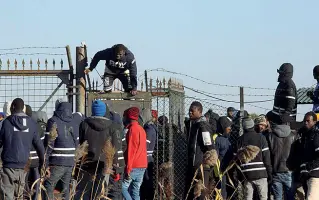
(63, 147)
(18, 133)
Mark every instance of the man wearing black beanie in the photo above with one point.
(259, 169)
(314, 95)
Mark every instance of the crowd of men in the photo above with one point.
(37, 150)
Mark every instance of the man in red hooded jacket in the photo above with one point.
(135, 155)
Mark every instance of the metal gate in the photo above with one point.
(39, 82)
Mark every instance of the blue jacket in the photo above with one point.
(61, 151)
(151, 137)
(224, 149)
(18, 133)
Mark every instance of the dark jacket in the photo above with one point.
(61, 151)
(310, 151)
(41, 119)
(260, 167)
(151, 138)
(213, 119)
(113, 66)
(224, 149)
(18, 133)
(199, 142)
(286, 92)
(280, 141)
(96, 131)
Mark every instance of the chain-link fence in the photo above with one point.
(172, 108)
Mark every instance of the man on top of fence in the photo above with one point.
(119, 63)
(286, 93)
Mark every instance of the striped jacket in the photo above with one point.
(61, 151)
(33, 153)
(310, 152)
(286, 99)
(260, 167)
(151, 138)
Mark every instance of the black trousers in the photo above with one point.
(147, 188)
(110, 76)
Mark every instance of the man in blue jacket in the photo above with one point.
(61, 151)
(147, 188)
(17, 136)
(119, 63)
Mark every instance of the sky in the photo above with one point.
(239, 43)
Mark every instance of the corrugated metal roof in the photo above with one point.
(302, 96)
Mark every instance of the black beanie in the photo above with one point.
(224, 122)
(28, 110)
(316, 71)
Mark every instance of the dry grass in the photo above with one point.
(109, 152)
(199, 187)
(165, 174)
(248, 153)
(210, 158)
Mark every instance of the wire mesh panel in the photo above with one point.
(173, 107)
(38, 84)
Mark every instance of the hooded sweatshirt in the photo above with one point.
(113, 66)
(63, 147)
(280, 141)
(135, 154)
(41, 119)
(199, 142)
(18, 134)
(96, 131)
(151, 133)
(286, 92)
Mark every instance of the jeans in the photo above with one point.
(12, 184)
(313, 189)
(135, 181)
(32, 176)
(261, 186)
(282, 182)
(62, 173)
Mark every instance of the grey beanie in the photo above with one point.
(248, 123)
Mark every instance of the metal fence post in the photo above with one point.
(146, 82)
(71, 77)
(81, 63)
(241, 93)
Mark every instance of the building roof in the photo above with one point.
(302, 96)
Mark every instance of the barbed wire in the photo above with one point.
(32, 54)
(33, 47)
(224, 100)
(266, 109)
(207, 82)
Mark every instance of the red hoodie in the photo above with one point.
(136, 152)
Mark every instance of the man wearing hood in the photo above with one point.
(61, 150)
(147, 188)
(286, 93)
(33, 173)
(212, 119)
(259, 169)
(280, 140)
(314, 95)
(96, 130)
(18, 134)
(199, 142)
(224, 149)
